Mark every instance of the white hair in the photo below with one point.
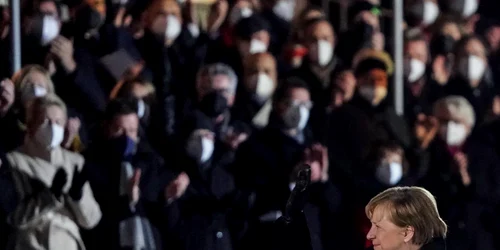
(211, 70)
(458, 107)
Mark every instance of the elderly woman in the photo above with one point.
(463, 174)
(405, 218)
(55, 198)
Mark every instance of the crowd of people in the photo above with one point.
(146, 125)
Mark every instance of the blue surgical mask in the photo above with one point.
(124, 147)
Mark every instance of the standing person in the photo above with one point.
(55, 198)
(405, 218)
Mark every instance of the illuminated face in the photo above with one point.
(384, 234)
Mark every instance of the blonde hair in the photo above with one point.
(21, 76)
(411, 206)
(40, 104)
(457, 107)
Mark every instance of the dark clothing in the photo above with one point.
(464, 208)
(435, 244)
(11, 131)
(105, 171)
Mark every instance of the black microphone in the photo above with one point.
(297, 198)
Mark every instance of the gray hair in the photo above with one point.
(214, 69)
(458, 107)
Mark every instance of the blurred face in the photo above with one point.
(53, 115)
(140, 91)
(369, 18)
(493, 37)
(452, 30)
(373, 86)
(242, 9)
(38, 79)
(36, 85)
(474, 47)
(244, 47)
(158, 13)
(297, 96)
(417, 50)
(99, 5)
(320, 40)
(392, 157)
(384, 234)
(448, 125)
(260, 64)
(346, 81)
(222, 83)
(49, 8)
(472, 62)
(125, 125)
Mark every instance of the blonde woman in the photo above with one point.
(405, 218)
(55, 197)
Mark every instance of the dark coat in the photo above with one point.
(435, 244)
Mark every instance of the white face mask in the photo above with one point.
(50, 29)
(200, 147)
(49, 135)
(325, 52)
(257, 46)
(304, 117)
(456, 133)
(207, 146)
(265, 86)
(285, 9)
(389, 174)
(367, 92)
(417, 70)
(141, 108)
(237, 14)
(472, 68)
(431, 12)
(470, 7)
(173, 28)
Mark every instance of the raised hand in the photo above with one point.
(317, 158)
(462, 162)
(60, 179)
(79, 179)
(440, 71)
(7, 96)
(426, 128)
(177, 187)
(134, 192)
(62, 48)
(217, 15)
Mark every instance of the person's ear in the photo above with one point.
(408, 234)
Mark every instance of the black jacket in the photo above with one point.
(435, 244)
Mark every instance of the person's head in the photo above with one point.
(121, 119)
(363, 12)
(320, 41)
(421, 13)
(89, 18)
(163, 18)
(404, 218)
(30, 82)
(461, 9)
(292, 103)
(46, 119)
(261, 76)
(140, 90)
(346, 81)
(252, 35)
(471, 59)
(42, 22)
(372, 72)
(216, 88)
(492, 34)
(388, 159)
(304, 17)
(456, 118)
(240, 10)
(417, 54)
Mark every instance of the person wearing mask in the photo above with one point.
(51, 182)
(240, 10)
(173, 57)
(320, 62)
(419, 90)
(132, 185)
(462, 173)
(406, 218)
(211, 207)
(251, 35)
(345, 80)
(34, 81)
(471, 77)
(266, 162)
(216, 91)
(253, 104)
(367, 118)
(420, 14)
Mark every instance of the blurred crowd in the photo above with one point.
(148, 124)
